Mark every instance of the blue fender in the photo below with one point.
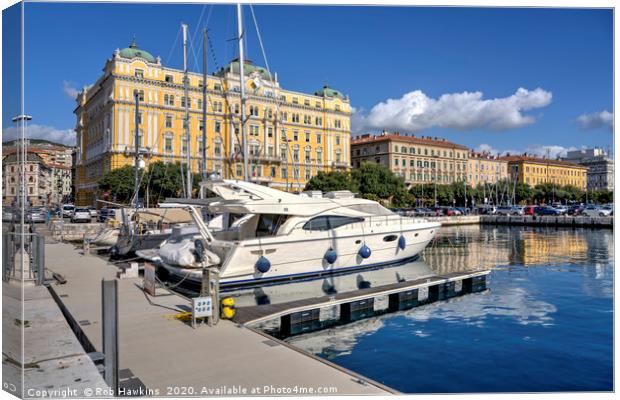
(262, 264)
(364, 251)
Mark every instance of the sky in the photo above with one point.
(498, 79)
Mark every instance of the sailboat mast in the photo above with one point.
(136, 141)
(242, 91)
(188, 141)
(204, 110)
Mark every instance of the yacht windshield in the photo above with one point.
(371, 209)
(268, 224)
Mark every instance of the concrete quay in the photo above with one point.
(41, 357)
(163, 355)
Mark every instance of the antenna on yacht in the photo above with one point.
(186, 117)
(244, 139)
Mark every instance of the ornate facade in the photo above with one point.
(291, 135)
(534, 171)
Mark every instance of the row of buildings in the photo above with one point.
(420, 159)
(292, 136)
(47, 173)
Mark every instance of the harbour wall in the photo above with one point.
(548, 220)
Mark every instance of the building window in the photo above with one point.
(168, 143)
(307, 137)
(217, 87)
(169, 78)
(295, 135)
(254, 130)
(139, 73)
(295, 101)
(319, 156)
(273, 172)
(254, 111)
(217, 149)
(218, 127)
(337, 124)
(239, 170)
(295, 118)
(140, 94)
(318, 138)
(306, 102)
(199, 103)
(307, 155)
(270, 131)
(296, 173)
(284, 173)
(169, 100)
(295, 155)
(168, 121)
(337, 140)
(183, 145)
(308, 173)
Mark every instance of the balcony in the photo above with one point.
(265, 158)
(340, 164)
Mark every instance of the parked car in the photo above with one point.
(105, 214)
(509, 210)
(487, 210)
(528, 210)
(7, 215)
(93, 212)
(66, 210)
(36, 214)
(464, 210)
(596, 211)
(546, 210)
(575, 209)
(562, 209)
(80, 215)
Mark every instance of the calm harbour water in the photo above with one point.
(545, 324)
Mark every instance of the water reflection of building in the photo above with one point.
(543, 248)
(467, 248)
(482, 247)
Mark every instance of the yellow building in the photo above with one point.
(485, 168)
(291, 135)
(417, 159)
(534, 171)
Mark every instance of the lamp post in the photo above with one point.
(21, 120)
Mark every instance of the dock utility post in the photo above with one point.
(209, 289)
(109, 327)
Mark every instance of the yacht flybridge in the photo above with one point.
(266, 235)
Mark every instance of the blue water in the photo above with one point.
(545, 324)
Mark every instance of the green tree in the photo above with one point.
(378, 180)
(330, 181)
(119, 184)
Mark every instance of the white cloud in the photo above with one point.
(596, 120)
(415, 111)
(552, 151)
(69, 89)
(35, 131)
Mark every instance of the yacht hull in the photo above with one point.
(304, 256)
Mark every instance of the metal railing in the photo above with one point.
(31, 244)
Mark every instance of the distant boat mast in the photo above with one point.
(242, 91)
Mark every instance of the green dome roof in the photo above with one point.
(326, 91)
(248, 69)
(134, 52)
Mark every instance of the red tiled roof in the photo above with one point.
(364, 139)
(538, 160)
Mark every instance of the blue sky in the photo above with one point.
(451, 72)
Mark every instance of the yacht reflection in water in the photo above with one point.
(331, 285)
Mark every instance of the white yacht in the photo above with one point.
(280, 236)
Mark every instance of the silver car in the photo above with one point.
(36, 215)
(80, 215)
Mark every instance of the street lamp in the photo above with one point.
(23, 118)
